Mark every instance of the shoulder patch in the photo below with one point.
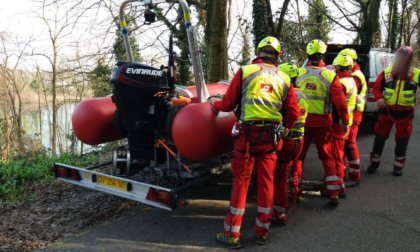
(250, 69)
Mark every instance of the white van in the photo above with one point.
(379, 60)
(372, 62)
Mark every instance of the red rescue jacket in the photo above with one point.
(357, 115)
(338, 98)
(231, 99)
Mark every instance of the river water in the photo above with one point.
(41, 132)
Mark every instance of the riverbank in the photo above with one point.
(36, 210)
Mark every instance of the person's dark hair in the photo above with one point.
(293, 81)
(344, 68)
(316, 58)
(269, 51)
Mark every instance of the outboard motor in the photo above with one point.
(139, 91)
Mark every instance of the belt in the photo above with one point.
(294, 135)
(260, 124)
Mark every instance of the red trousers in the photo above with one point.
(352, 152)
(402, 136)
(338, 154)
(286, 159)
(265, 156)
(323, 141)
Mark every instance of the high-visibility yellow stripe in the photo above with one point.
(187, 16)
(123, 23)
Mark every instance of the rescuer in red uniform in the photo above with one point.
(321, 87)
(343, 64)
(292, 145)
(350, 148)
(258, 92)
(395, 91)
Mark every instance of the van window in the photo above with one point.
(382, 62)
(392, 57)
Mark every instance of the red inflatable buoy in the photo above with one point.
(214, 89)
(200, 134)
(92, 121)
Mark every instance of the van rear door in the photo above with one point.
(381, 62)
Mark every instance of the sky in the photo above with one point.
(22, 17)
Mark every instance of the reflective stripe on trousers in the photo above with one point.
(262, 225)
(332, 178)
(236, 211)
(235, 229)
(352, 170)
(375, 158)
(265, 210)
(333, 187)
(280, 209)
(354, 162)
(398, 164)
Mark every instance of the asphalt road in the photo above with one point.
(381, 215)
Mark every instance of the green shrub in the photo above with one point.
(14, 174)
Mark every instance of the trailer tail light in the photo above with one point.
(51, 169)
(159, 196)
(68, 173)
(183, 203)
(370, 94)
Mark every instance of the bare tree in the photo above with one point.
(216, 40)
(65, 16)
(13, 78)
(367, 12)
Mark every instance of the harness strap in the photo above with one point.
(296, 188)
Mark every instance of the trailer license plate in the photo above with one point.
(111, 182)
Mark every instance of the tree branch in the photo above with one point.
(331, 18)
(279, 29)
(345, 15)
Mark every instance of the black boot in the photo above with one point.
(397, 172)
(372, 168)
(334, 200)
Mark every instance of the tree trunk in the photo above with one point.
(371, 22)
(6, 119)
(39, 107)
(407, 33)
(404, 5)
(417, 5)
(261, 21)
(54, 101)
(279, 30)
(19, 115)
(216, 41)
(390, 19)
(269, 15)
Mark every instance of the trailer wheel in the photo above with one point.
(170, 119)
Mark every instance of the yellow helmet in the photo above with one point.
(291, 70)
(270, 41)
(343, 60)
(316, 46)
(350, 52)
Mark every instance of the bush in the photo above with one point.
(14, 174)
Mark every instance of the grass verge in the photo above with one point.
(14, 174)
